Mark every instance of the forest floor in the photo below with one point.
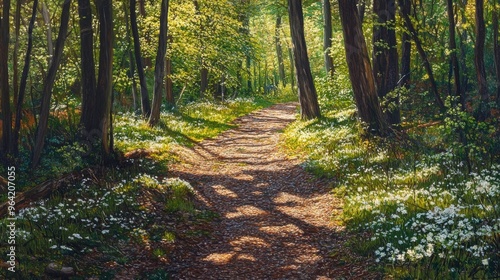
(274, 219)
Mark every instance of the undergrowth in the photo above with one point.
(423, 204)
(113, 218)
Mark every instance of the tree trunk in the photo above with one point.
(49, 84)
(307, 92)
(145, 105)
(130, 58)
(105, 76)
(405, 48)
(6, 147)
(361, 10)
(88, 117)
(453, 55)
(160, 65)
(50, 44)
(327, 36)
(423, 56)
(15, 55)
(169, 89)
(292, 68)
(480, 29)
(279, 51)
(385, 57)
(24, 79)
(360, 70)
(496, 50)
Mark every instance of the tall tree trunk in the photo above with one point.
(15, 55)
(50, 43)
(130, 58)
(6, 147)
(453, 55)
(405, 9)
(145, 105)
(480, 29)
(292, 68)
(279, 51)
(360, 70)
(160, 64)
(496, 50)
(423, 56)
(48, 84)
(105, 76)
(307, 92)
(327, 36)
(88, 117)
(385, 57)
(24, 79)
(169, 85)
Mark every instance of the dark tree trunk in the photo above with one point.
(105, 76)
(327, 36)
(49, 84)
(169, 85)
(453, 55)
(15, 55)
(405, 10)
(204, 79)
(24, 79)
(160, 65)
(130, 58)
(483, 110)
(307, 92)
(360, 70)
(423, 56)
(87, 66)
(279, 51)
(385, 57)
(496, 50)
(145, 105)
(292, 68)
(6, 147)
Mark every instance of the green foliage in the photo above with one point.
(424, 214)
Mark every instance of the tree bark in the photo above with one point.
(15, 55)
(453, 55)
(145, 105)
(130, 58)
(49, 84)
(423, 56)
(24, 79)
(50, 43)
(169, 85)
(385, 57)
(327, 36)
(496, 50)
(360, 70)
(160, 64)
(279, 51)
(4, 80)
(307, 92)
(88, 117)
(105, 75)
(480, 29)
(405, 73)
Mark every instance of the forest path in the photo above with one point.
(275, 219)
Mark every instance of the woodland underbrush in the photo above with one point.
(126, 217)
(424, 202)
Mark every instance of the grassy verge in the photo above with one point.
(122, 216)
(424, 205)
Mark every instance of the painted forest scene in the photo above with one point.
(249, 139)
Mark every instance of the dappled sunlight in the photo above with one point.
(249, 241)
(223, 191)
(219, 258)
(246, 210)
(288, 229)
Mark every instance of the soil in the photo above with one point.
(275, 220)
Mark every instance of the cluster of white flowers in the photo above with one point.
(442, 219)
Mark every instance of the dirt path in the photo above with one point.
(275, 218)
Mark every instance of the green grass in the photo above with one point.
(425, 215)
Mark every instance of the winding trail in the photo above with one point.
(275, 219)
